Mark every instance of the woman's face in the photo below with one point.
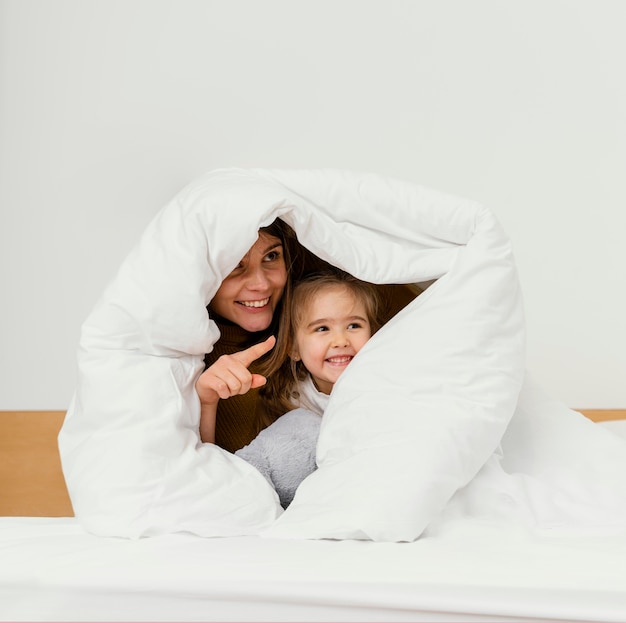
(249, 295)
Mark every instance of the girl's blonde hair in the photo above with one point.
(279, 395)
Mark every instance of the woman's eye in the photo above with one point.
(272, 256)
(235, 271)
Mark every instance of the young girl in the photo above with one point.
(331, 317)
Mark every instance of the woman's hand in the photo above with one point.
(229, 375)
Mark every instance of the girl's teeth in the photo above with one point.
(339, 359)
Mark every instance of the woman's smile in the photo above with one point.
(255, 304)
(249, 295)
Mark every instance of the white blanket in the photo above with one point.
(415, 428)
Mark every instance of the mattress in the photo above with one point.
(53, 570)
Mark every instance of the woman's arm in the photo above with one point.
(208, 416)
(228, 376)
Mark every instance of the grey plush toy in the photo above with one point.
(285, 451)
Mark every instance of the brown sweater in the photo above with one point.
(236, 424)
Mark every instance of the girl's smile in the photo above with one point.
(332, 331)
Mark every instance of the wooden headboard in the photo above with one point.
(31, 479)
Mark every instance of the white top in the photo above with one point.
(311, 398)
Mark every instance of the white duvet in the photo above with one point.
(435, 418)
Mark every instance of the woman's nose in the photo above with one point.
(257, 279)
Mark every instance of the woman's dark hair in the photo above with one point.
(299, 263)
(291, 251)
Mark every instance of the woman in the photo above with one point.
(246, 308)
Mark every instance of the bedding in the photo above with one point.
(437, 419)
(52, 570)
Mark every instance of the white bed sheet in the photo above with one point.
(52, 570)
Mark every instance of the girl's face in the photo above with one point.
(249, 295)
(333, 330)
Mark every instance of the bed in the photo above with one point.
(450, 485)
(51, 569)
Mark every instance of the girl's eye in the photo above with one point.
(321, 329)
(354, 325)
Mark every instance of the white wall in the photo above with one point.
(109, 107)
